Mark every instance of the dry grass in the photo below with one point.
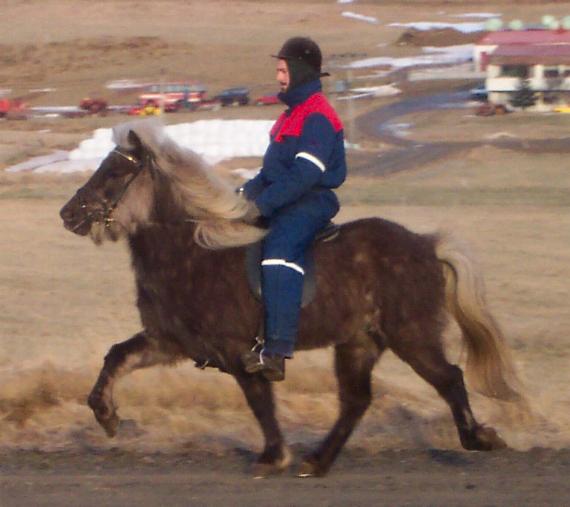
(428, 126)
(482, 176)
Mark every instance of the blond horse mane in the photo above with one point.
(209, 199)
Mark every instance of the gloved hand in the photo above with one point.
(252, 215)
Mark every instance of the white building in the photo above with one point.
(544, 68)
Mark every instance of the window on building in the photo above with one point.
(551, 98)
(551, 72)
(520, 71)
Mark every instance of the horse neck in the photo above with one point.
(169, 230)
(157, 244)
(165, 208)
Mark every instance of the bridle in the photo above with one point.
(106, 213)
(139, 166)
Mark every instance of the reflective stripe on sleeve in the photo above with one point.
(283, 262)
(311, 158)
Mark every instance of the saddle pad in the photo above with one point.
(253, 268)
(253, 265)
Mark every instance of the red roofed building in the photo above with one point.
(492, 40)
(538, 58)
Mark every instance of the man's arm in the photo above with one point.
(253, 187)
(315, 146)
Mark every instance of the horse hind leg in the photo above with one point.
(427, 358)
(122, 358)
(353, 367)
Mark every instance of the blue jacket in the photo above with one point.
(306, 151)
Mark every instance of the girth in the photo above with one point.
(253, 258)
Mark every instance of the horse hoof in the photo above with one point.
(110, 424)
(262, 470)
(309, 468)
(490, 440)
(485, 439)
(105, 414)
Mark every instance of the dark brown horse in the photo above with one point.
(379, 286)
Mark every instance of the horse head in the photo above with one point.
(117, 197)
(150, 179)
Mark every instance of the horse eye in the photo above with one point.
(117, 172)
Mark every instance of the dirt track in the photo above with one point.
(411, 478)
(406, 153)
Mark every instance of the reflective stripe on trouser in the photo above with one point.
(282, 293)
(291, 232)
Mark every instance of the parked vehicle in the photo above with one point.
(93, 106)
(174, 96)
(489, 109)
(148, 108)
(238, 96)
(479, 94)
(14, 108)
(267, 100)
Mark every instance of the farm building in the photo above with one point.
(535, 60)
(516, 38)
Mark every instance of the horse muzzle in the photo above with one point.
(77, 219)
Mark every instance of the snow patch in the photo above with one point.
(480, 15)
(377, 91)
(123, 84)
(215, 140)
(40, 161)
(398, 129)
(429, 25)
(360, 17)
(435, 56)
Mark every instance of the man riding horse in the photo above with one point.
(292, 192)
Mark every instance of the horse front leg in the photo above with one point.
(122, 358)
(258, 392)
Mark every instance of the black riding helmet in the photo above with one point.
(304, 60)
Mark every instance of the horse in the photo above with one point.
(379, 286)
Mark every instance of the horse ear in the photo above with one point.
(135, 141)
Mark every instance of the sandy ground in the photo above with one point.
(398, 478)
(65, 302)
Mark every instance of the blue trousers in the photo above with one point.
(291, 231)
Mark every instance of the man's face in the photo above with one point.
(282, 75)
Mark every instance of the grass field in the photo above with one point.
(66, 302)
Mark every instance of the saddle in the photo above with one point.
(253, 259)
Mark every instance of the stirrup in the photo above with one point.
(258, 347)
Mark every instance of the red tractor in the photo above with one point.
(12, 108)
(93, 106)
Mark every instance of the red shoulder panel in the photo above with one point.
(292, 125)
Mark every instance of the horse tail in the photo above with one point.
(489, 367)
